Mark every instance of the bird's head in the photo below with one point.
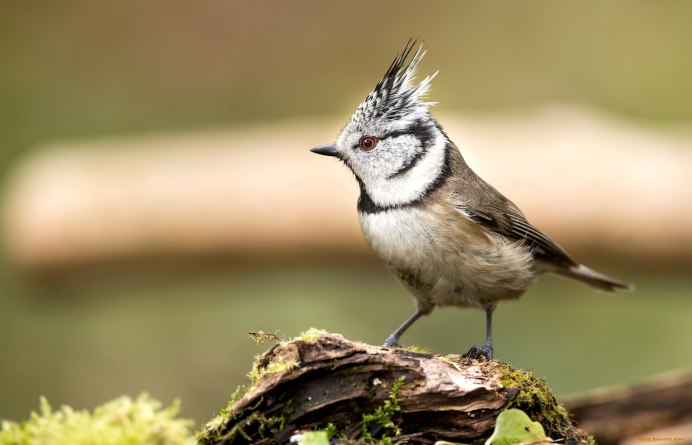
(390, 136)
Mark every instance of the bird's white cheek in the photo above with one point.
(410, 186)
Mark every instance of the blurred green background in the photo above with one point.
(74, 69)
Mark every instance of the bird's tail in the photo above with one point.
(595, 279)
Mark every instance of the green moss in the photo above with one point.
(242, 420)
(416, 349)
(384, 415)
(122, 421)
(246, 423)
(331, 430)
(257, 372)
(312, 334)
(535, 399)
(227, 416)
(216, 422)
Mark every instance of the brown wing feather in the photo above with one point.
(489, 208)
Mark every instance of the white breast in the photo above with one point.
(456, 268)
(399, 235)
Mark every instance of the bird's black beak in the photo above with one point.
(327, 150)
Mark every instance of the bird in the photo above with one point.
(448, 236)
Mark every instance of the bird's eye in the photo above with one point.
(367, 143)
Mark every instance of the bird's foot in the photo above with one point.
(477, 352)
(391, 342)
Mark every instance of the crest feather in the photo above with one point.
(395, 97)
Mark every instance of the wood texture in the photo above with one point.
(308, 384)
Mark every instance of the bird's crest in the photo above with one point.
(395, 97)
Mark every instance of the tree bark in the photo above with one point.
(357, 391)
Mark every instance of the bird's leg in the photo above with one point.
(393, 340)
(487, 349)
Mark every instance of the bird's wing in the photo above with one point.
(497, 213)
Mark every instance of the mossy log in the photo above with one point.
(360, 392)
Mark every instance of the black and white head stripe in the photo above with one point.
(424, 132)
(401, 192)
(395, 98)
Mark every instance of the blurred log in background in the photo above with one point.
(597, 185)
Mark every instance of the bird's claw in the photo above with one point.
(476, 352)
